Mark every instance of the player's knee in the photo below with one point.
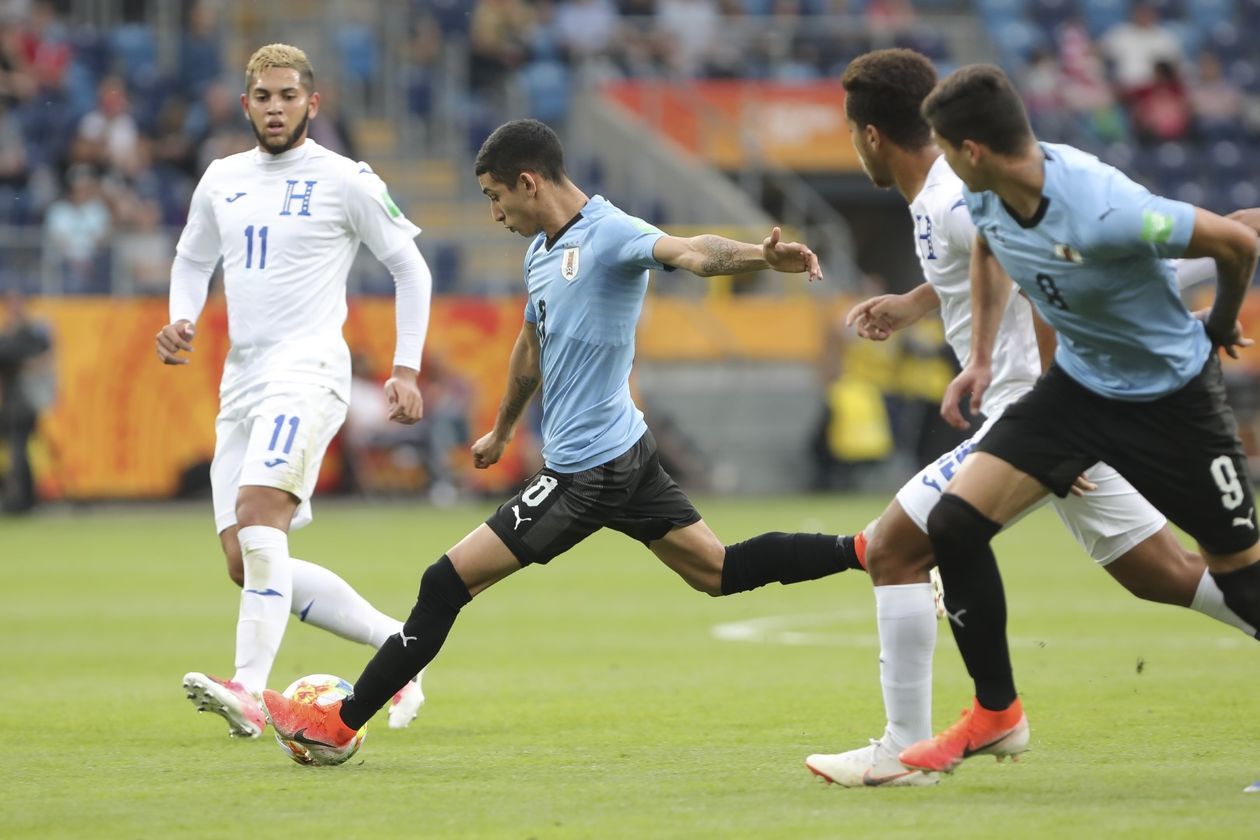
(890, 563)
(264, 506)
(958, 529)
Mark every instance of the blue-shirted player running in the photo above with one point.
(1136, 380)
(586, 272)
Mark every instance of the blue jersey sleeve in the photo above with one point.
(625, 241)
(1137, 222)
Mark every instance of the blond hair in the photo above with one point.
(283, 56)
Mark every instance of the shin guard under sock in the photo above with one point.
(442, 595)
(974, 598)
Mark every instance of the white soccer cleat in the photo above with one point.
(875, 765)
(228, 699)
(405, 705)
(938, 593)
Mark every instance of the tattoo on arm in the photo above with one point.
(721, 256)
(518, 396)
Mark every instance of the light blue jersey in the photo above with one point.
(1094, 261)
(585, 296)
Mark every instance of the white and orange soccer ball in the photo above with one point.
(319, 689)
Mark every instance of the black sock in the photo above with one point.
(442, 594)
(786, 558)
(974, 598)
(1241, 589)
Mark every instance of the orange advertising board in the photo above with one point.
(800, 126)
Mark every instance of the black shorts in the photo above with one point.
(556, 511)
(1180, 451)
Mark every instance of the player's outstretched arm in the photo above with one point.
(524, 377)
(1235, 248)
(879, 317)
(710, 255)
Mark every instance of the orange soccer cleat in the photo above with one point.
(978, 732)
(311, 724)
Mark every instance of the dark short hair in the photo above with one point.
(885, 89)
(979, 103)
(521, 146)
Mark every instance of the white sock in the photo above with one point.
(265, 599)
(1209, 600)
(325, 600)
(906, 618)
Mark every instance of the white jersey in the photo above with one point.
(945, 238)
(288, 227)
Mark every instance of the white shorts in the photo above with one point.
(1107, 522)
(272, 436)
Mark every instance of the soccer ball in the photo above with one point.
(321, 689)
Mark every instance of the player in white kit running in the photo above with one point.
(287, 218)
(1112, 522)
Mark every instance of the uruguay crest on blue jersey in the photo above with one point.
(569, 264)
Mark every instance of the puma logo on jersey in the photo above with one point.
(516, 511)
(956, 617)
(233, 198)
(405, 638)
(1241, 521)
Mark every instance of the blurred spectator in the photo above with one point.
(497, 40)
(1161, 110)
(692, 28)
(45, 47)
(890, 17)
(76, 231)
(143, 250)
(17, 85)
(14, 174)
(108, 137)
(1135, 47)
(587, 27)
(383, 456)
(1217, 101)
(854, 434)
(26, 390)
(423, 65)
(217, 126)
(1084, 87)
(330, 129)
(200, 49)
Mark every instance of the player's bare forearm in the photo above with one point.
(1235, 248)
(524, 377)
(710, 255)
(713, 256)
(990, 289)
(922, 300)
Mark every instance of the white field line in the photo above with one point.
(824, 630)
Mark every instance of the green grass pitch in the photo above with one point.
(595, 697)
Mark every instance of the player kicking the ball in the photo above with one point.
(1112, 522)
(287, 218)
(586, 274)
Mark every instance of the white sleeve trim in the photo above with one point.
(190, 284)
(1192, 272)
(413, 286)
